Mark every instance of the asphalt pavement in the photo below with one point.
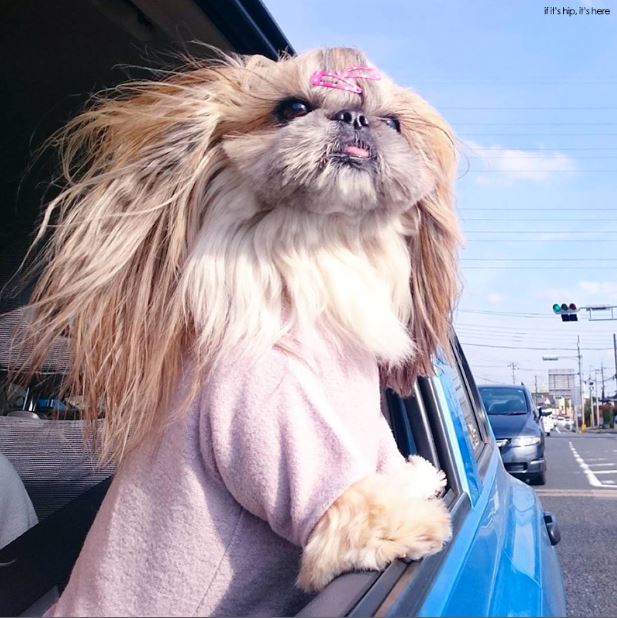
(581, 490)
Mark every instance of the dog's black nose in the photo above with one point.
(351, 116)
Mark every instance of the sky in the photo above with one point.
(532, 98)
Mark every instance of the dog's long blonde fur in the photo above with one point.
(161, 255)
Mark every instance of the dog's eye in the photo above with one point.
(291, 108)
(393, 123)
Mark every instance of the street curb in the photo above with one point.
(614, 431)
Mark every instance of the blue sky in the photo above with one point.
(533, 100)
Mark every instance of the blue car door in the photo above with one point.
(501, 561)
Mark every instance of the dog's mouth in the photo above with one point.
(361, 152)
(356, 153)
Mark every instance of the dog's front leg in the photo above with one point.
(378, 519)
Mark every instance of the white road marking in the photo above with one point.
(594, 481)
(577, 493)
(602, 464)
(605, 471)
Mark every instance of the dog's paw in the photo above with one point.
(374, 522)
(429, 482)
(424, 534)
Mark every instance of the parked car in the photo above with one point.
(546, 420)
(501, 560)
(518, 430)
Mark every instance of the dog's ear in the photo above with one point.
(433, 248)
(137, 167)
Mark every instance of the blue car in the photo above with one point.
(517, 427)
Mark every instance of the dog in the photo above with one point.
(241, 252)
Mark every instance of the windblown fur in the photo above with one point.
(193, 226)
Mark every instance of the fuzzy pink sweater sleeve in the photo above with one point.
(210, 519)
(281, 448)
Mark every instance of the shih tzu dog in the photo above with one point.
(270, 240)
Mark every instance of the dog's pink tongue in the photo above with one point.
(356, 151)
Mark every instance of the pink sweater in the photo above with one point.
(212, 523)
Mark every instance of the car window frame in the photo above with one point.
(484, 450)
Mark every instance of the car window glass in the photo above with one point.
(393, 409)
(456, 391)
(504, 400)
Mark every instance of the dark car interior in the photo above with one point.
(56, 54)
(504, 400)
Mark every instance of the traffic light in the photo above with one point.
(567, 312)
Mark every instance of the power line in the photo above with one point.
(541, 148)
(523, 314)
(496, 80)
(536, 337)
(496, 339)
(493, 366)
(537, 124)
(536, 240)
(505, 326)
(485, 379)
(537, 267)
(539, 171)
(547, 348)
(526, 328)
(529, 108)
(533, 347)
(554, 220)
(540, 232)
(520, 329)
(517, 208)
(521, 154)
(511, 338)
(539, 259)
(536, 134)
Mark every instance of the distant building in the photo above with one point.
(544, 399)
(562, 384)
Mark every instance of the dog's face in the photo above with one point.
(328, 150)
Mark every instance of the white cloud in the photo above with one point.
(508, 165)
(605, 291)
(583, 293)
(557, 295)
(495, 298)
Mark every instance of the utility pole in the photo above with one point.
(514, 366)
(595, 373)
(590, 386)
(580, 385)
(602, 375)
(615, 352)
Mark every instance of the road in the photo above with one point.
(581, 490)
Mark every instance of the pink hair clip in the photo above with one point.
(343, 80)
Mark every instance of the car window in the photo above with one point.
(455, 389)
(504, 400)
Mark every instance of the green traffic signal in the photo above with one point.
(567, 312)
